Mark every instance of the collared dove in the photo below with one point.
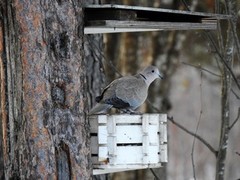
(126, 93)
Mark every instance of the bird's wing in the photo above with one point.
(133, 90)
(125, 92)
(117, 102)
(108, 91)
(109, 95)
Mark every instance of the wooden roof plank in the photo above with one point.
(135, 26)
(121, 18)
(140, 8)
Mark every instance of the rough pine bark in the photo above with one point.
(43, 90)
(2, 102)
(95, 73)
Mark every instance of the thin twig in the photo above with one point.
(238, 97)
(154, 174)
(199, 119)
(233, 22)
(219, 29)
(238, 153)
(186, 5)
(203, 69)
(222, 59)
(218, 52)
(236, 40)
(188, 131)
(234, 122)
(109, 63)
(193, 134)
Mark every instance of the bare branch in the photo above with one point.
(109, 63)
(154, 174)
(209, 36)
(187, 131)
(232, 10)
(234, 122)
(194, 139)
(186, 5)
(222, 59)
(193, 5)
(238, 97)
(203, 69)
(193, 134)
(219, 29)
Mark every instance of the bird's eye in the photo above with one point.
(152, 71)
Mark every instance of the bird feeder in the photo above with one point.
(109, 18)
(128, 142)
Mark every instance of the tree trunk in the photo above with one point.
(43, 90)
(2, 103)
(95, 76)
(226, 89)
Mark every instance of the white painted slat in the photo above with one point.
(163, 117)
(119, 168)
(129, 155)
(163, 153)
(163, 132)
(145, 123)
(102, 134)
(125, 118)
(129, 134)
(102, 119)
(111, 125)
(153, 135)
(145, 129)
(154, 155)
(103, 153)
(111, 139)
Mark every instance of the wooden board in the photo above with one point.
(121, 18)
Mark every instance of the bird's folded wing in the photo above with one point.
(132, 90)
(117, 102)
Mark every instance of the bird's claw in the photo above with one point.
(129, 111)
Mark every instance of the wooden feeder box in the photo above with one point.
(109, 18)
(128, 142)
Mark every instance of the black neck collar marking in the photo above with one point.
(143, 76)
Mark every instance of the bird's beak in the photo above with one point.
(160, 76)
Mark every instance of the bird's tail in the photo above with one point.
(99, 108)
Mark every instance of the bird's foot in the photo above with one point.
(129, 111)
(136, 113)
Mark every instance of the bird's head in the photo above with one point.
(151, 73)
